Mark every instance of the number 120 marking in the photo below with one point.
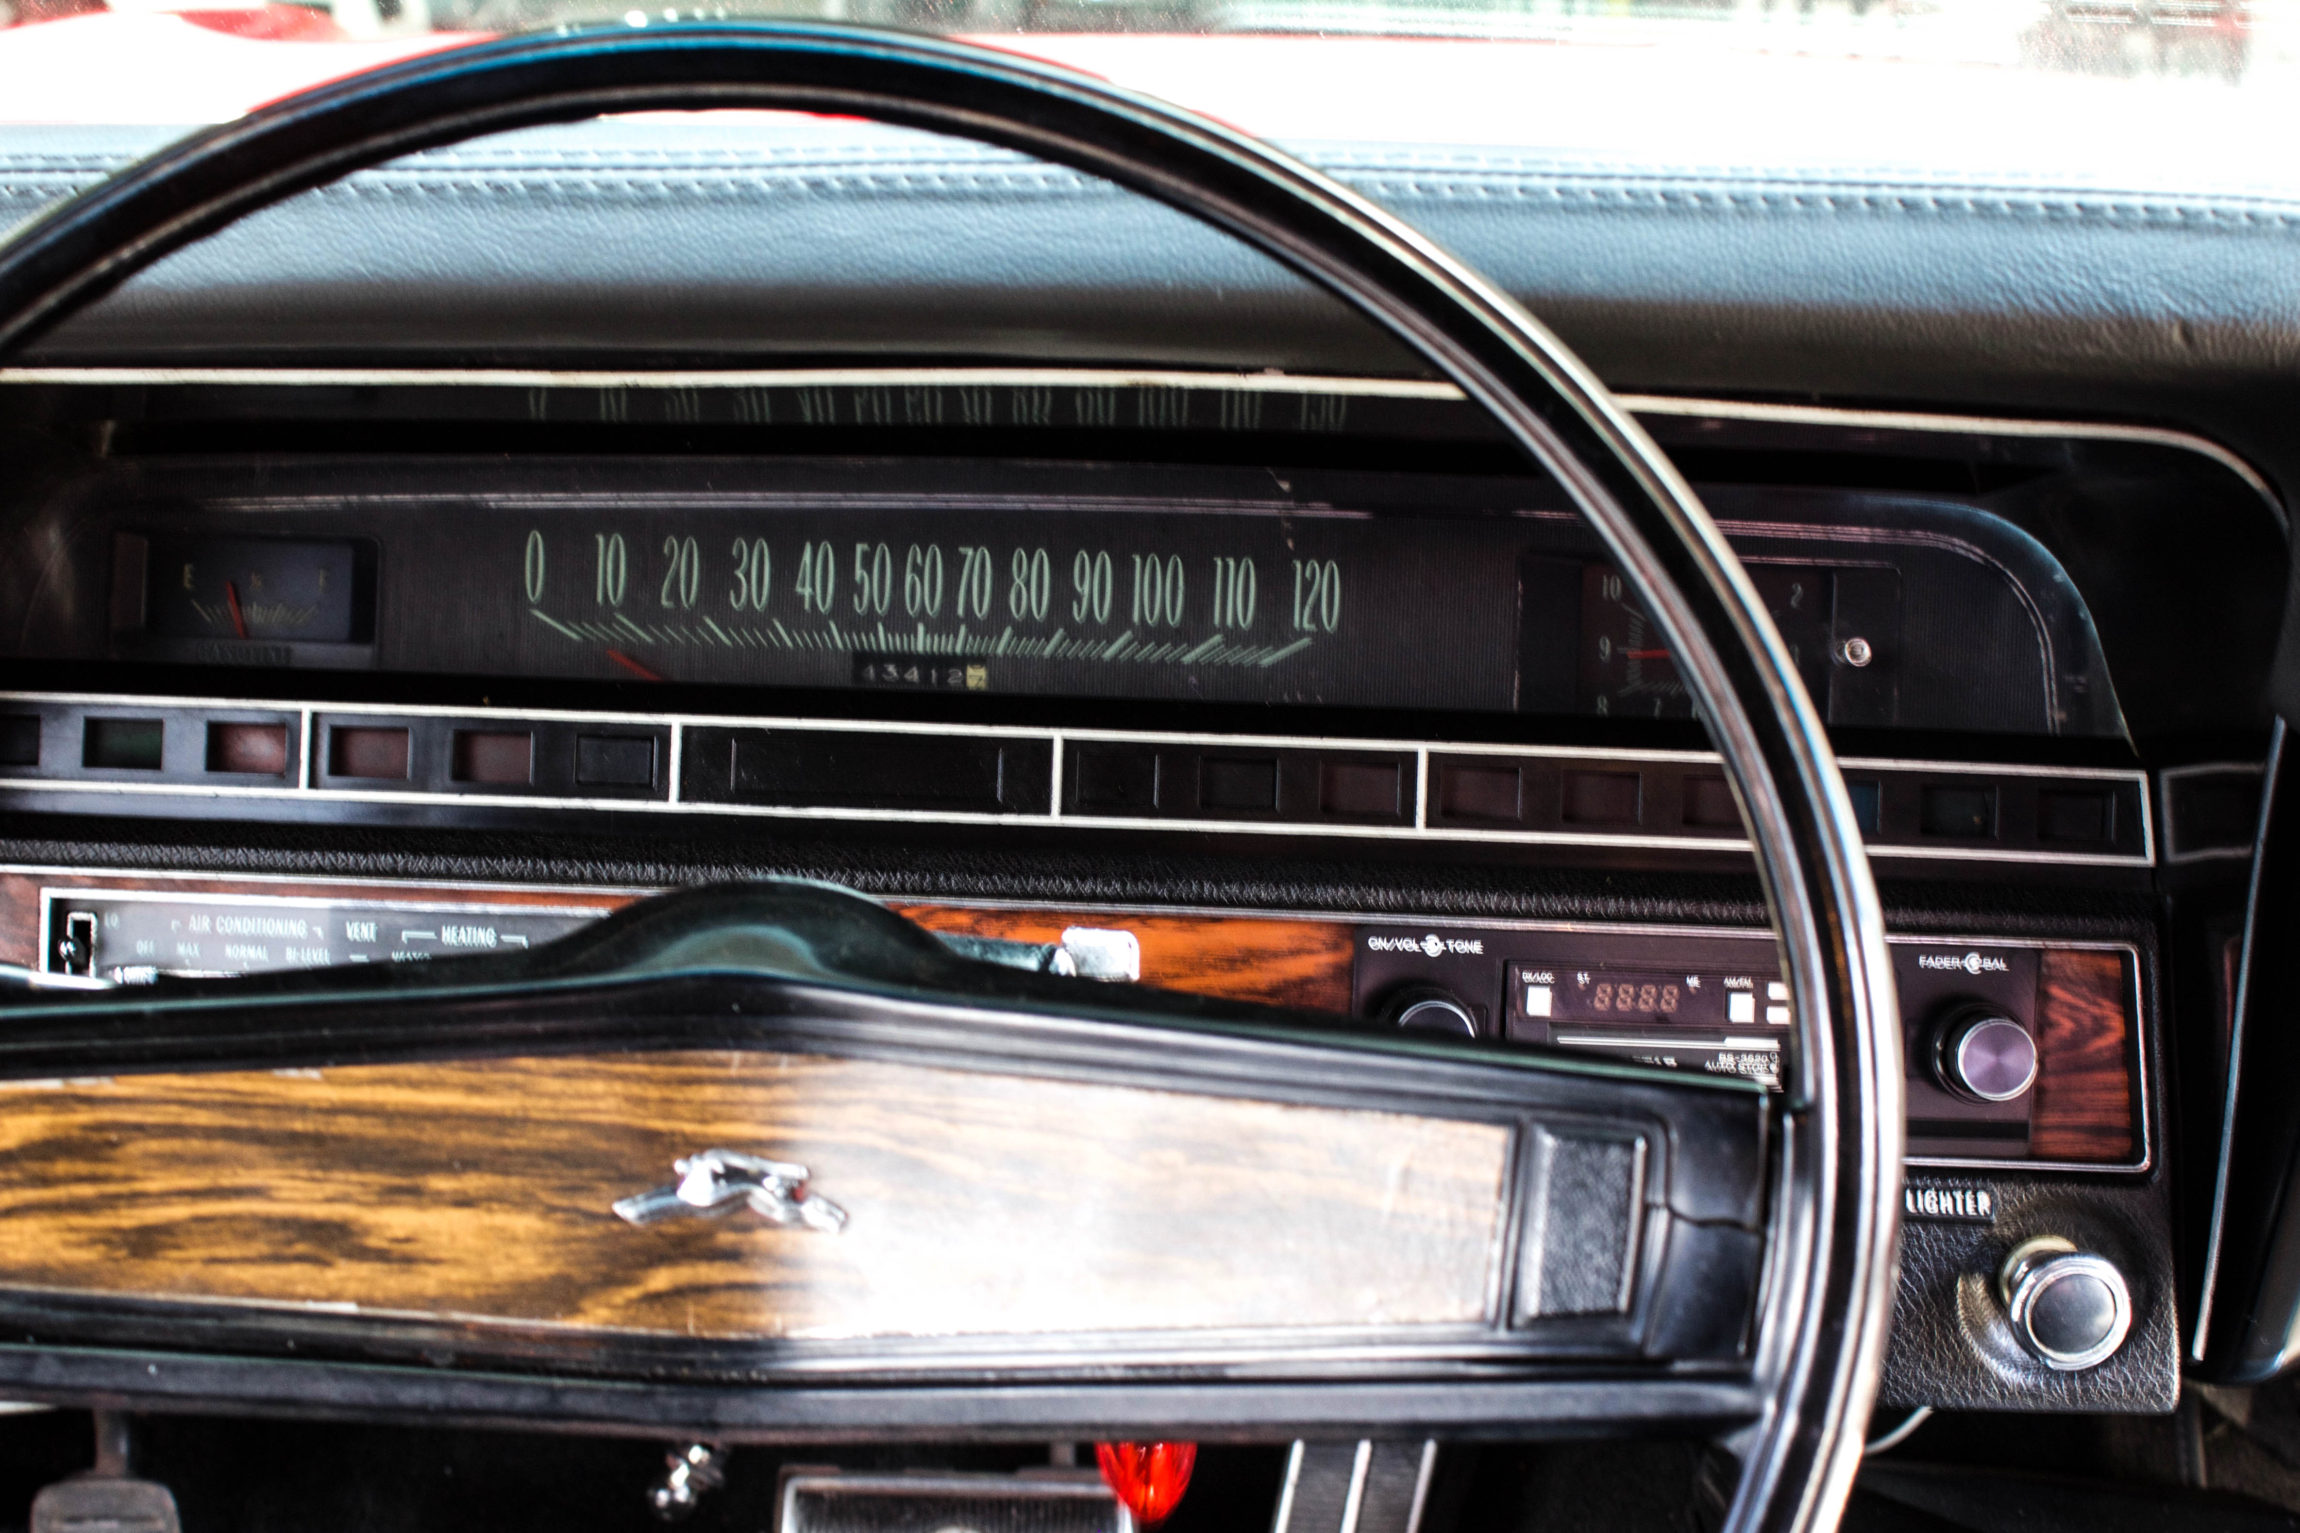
(1317, 595)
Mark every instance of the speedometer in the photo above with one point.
(1216, 602)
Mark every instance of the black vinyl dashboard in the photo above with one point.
(1148, 628)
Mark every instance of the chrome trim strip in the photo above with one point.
(737, 378)
(1282, 1523)
(1109, 377)
(1059, 740)
(1354, 1503)
(1974, 425)
(2238, 1006)
(1422, 1477)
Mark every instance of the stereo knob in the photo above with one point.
(1433, 1011)
(1983, 1055)
(2070, 1308)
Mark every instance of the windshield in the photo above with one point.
(2145, 93)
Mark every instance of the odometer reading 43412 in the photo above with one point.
(1127, 603)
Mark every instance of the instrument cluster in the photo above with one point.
(1162, 586)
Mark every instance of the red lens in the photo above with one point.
(1148, 1477)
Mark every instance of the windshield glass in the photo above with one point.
(2172, 94)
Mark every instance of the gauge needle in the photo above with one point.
(631, 665)
(1646, 654)
(232, 600)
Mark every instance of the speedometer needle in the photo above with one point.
(631, 665)
(1646, 654)
(232, 600)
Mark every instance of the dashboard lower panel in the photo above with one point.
(2091, 1112)
(2089, 1107)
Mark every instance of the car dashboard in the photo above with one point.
(1281, 686)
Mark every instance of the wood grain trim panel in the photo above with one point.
(1304, 963)
(2087, 1101)
(1275, 961)
(978, 1203)
(2087, 1108)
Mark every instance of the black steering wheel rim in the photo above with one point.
(1829, 1287)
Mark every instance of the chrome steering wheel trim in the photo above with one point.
(1830, 1277)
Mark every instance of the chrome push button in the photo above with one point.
(1984, 1055)
(2071, 1309)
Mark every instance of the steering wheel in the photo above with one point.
(1829, 1144)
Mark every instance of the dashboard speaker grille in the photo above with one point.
(1581, 1227)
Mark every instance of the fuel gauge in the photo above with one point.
(275, 590)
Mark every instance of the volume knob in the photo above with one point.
(1981, 1054)
(1434, 1011)
(2070, 1308)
